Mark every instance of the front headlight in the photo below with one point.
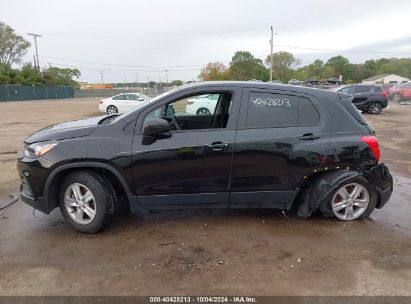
(38, 149)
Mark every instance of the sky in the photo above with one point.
(126, 40)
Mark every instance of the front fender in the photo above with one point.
(50, 186)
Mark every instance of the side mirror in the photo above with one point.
(140, 99)
(156, 126)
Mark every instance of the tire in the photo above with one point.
(203, 111)
(112, 110)
(360, 210)
(77, 206)
(375, 107)
(397, 97)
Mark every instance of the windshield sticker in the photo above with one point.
(277, 102)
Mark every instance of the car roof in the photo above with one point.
(259, 85)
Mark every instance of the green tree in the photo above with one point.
(339, 65)
(7, 74)
(176, 83)
(12, 46)
(244, 66)
(283, 64)
(28, 75)
(58, 76)
(214, 71)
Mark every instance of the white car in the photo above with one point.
(122, 102)
(202, 105)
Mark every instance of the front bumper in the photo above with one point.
(381, 179)
(39, 204)
(33, 176)
(102, 107)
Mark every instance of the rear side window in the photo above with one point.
(363, 89)
(348, 105)
(279, 110)
(348, 90)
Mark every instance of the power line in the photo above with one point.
(122, 65)
(122, 70)
(347, 51)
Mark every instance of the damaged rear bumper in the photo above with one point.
(381, 179)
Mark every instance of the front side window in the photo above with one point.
(195, 112)
(267, 110)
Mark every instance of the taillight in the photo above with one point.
(372, 142)
(384, 94)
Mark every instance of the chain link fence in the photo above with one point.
(21, 92)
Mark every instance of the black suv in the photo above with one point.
(263, 146)
(367, 98)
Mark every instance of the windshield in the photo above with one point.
(337, 89)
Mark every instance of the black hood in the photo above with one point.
(71, 129)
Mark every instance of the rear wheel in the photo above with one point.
(375, 107)
(352, 200)
(87, 201)
(112, 109)
(203, 111)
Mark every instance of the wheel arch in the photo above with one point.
(316, 189)
(51, 189)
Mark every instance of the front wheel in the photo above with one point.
(112, 110)
(352, 200)
(87, 201)
(375, 107)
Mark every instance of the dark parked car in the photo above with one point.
(368, 98)
(264, 146)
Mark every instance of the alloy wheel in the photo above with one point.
(80, 203)
(376, 108)
(203, 111)
(350, 201)
(112, 110)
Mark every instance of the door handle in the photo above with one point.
(309, 136)
(218, 146)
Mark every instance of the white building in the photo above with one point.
(385, 79)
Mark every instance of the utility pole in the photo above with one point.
(166, 77)
(35, 63)
(102, 77)
(37, 52)
(271, 55)
(137, 82)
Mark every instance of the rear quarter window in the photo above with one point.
(279, 110)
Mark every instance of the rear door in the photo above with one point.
(281, 138)
(362, 94)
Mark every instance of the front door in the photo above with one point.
(281, 138)
(192, 163)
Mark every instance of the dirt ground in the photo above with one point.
(203, 252)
